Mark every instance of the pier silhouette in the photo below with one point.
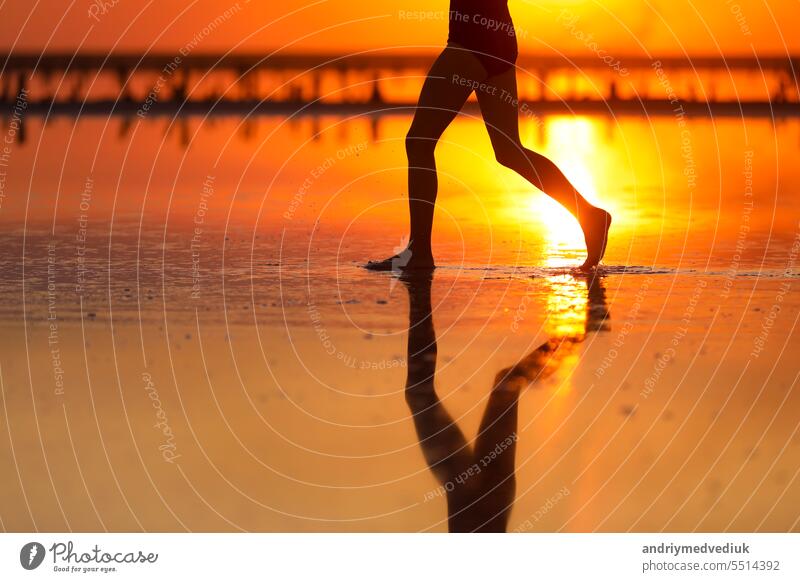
(300, 84)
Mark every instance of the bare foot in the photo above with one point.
(595, 232)
(403, 261)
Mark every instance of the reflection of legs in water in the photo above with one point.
(439, 102)
(495, 455)
(479, 484)
(548, 357)
(541, 362)
(597, 316)
(502, 122)
(443, 444)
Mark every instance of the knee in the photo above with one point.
(421, 397)
(418, 145)
(510, 155)
(509, 380)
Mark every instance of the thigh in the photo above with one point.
(447, 87)
(499, 108)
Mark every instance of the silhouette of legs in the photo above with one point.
(443, 444)
(500, 113)
(495, 455)
(439, 102)
(441, 99)
(479, 484)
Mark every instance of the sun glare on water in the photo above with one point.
(572, 144)
(567, 302)
(560, 227)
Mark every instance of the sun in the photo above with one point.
(574, 146)
(559, 226)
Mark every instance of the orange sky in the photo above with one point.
(619, 26)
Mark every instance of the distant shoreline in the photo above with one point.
(613, 107)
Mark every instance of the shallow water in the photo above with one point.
(189, 341)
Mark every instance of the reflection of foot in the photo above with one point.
(402, 262)
(595, 232)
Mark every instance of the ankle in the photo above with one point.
(587, 213)
(419, 250)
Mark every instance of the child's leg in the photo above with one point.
(501, 116)
(442, 97)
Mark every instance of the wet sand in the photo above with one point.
(190, 344)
